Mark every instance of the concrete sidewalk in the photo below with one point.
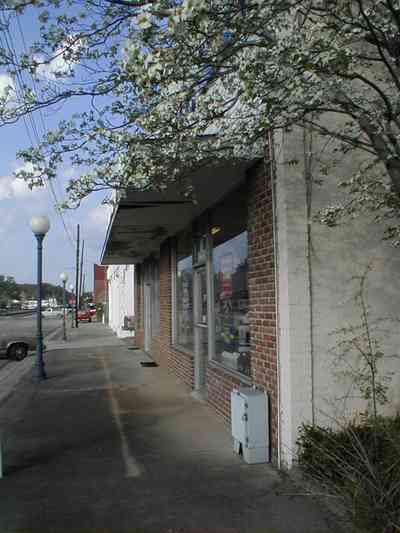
(108, 445)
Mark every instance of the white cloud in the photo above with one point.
(21, 189)
(8, 220)
(16, 188)
(7, 88)
(5, 83)
(57, 68)
(6, 187)
(99, 216)
(63, 61)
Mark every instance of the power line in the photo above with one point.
(39, 92)
(35, 130)
(19, 89)
(36, 91)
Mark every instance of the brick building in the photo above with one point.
(100, 284)
(239, 289)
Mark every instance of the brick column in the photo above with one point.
(262, 315)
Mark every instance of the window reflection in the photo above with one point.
(232, 304)
(184, 286)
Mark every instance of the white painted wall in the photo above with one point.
(295, 380)
(311, 386)
(121, 286)
(338, 256)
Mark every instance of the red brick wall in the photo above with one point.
(262, 316)
(100, 284)
(180, 363)
(262, 319)
(219, 387)
(160, 344)
(139, 332)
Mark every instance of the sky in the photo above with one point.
(18, 204)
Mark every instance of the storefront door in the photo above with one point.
(201, 327)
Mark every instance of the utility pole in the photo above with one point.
(77, 278)
(81, 274)
(83, 284)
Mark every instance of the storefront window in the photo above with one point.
(200, 228)
(231, 297)
(184, 292)
(201, 317)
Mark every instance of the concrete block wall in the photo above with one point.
(295, 346)
(350, 248)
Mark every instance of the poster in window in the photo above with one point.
(226, 271)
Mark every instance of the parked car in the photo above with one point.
(84, 314)
(52, 312)
(17, 348)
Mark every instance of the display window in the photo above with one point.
(230, 272)
(216, 247)
(184, 292)
(231, 307)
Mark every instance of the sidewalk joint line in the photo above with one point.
(132, 468)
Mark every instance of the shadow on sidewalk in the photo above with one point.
(108, 445)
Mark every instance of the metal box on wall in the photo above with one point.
(249, 421)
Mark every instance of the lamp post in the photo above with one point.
(71, 289)
(40, 225)
(64, 279)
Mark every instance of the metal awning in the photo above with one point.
(142, 220)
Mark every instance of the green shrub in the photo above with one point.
(359, 463)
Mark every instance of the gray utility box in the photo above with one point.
(249, 419)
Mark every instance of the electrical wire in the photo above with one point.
(19, 81)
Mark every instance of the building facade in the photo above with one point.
(242, 289)
(100, 284)
(121, 299)
(213, 288)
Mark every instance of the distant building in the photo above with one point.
(100, 284)
(50, 302)
(121, 299)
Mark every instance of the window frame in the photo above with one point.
(174, 300)
(201, 231)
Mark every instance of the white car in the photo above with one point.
(52, 312)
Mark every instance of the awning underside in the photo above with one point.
(143, 220)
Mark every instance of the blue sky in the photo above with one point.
(18, 204)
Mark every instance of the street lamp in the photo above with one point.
(71, 289)
(40, 225)
(64, 279)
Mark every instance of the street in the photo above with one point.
(22, 327)
(26, 325)
(12, 327)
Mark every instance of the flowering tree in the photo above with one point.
(174, 84)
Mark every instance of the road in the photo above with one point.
(24, 326)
